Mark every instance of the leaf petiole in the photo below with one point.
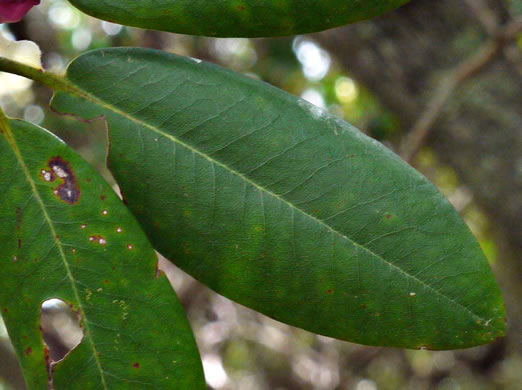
(52, 80)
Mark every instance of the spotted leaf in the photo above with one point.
(65, 234)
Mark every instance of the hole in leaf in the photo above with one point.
(60, 328)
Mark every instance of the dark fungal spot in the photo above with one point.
(136, 365)
(19, 219)
(29, 351)
(69, 189)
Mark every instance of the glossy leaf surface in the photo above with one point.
(236, 18)
(284, 208)
(65, 234)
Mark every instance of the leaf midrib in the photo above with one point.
(96, 100)
(12, 142)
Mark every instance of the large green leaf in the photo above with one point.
(236, 18)
(284, 208)
(65, 234)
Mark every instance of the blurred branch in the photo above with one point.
(484, 15)
(11, 371)
(466, 69)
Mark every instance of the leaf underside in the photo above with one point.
(65, 234)
(284, 208)
(236, 18)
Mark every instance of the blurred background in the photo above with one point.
(439, 82)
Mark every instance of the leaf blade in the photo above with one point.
(232, 18)
(285, 208)
(55, 254)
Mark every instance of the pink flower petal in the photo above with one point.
(14, 10)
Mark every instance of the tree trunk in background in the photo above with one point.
(403, 56)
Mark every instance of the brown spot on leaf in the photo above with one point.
(330, 291)
(19, 219)
(5, 310)
(388, 216)
(69, 190)
(50, 367)
(106, 282)
(241, 7)
(136, 365)
(29, 351)
(103, 196)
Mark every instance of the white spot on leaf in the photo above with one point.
(59, 171)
